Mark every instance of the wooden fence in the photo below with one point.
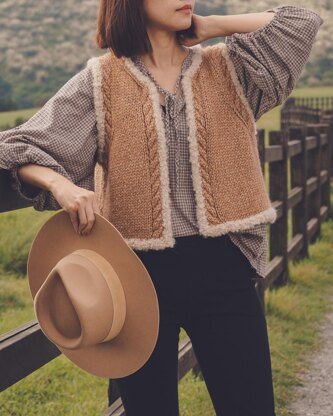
(323, 103)
(299, 110)
(298, 160)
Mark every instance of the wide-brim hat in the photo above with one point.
(93, 297)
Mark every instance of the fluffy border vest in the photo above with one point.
(131, 174)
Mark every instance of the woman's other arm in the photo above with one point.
(270, 59)
(52, 156)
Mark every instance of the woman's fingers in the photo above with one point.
(90, 219)
(82, 218)
(73, 214)
(81, 205)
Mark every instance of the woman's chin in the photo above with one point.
(183, 28)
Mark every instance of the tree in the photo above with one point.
(6, 102)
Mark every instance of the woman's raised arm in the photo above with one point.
(267, 52)
(270, 60)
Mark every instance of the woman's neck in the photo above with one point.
(160, 60)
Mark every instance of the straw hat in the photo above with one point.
(93, 297)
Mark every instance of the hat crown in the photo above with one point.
(86, 289)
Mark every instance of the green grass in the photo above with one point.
(313, 92)
(17, 230)
(294, 314)
(9, 117)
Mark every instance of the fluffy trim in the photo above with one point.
(238, 85)
(95, 65)
(167, 240)
(205, 228)
(267, 216)
(192, 139)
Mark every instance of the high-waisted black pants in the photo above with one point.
(204, 285)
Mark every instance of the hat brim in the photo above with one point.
(136, 341)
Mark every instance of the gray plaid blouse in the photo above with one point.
(63, 134)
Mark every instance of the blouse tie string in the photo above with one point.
(173, 105)
(171, 113)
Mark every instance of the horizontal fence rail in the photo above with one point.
(26, 349)
(307, 151)
(298, 160)
(9, 199)
(303, 110)
(325, 103)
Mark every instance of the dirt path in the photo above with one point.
(316, 396)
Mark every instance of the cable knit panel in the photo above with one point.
(229, 185)
(128, 183)
(154, 164)
(202, 139)
(134, 189)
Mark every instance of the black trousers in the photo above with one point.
(204, 286)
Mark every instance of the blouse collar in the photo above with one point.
(185, 65)
(173, 105)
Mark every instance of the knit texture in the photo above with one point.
(133, 176)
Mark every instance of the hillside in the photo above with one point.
(44, 43)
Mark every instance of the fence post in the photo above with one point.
(278, 179)
(314, 170)
(328, 118)
(286, 113)
(326, 162)
(113, 391)
(10, 199)
(298, 172)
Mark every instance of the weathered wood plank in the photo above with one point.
(23, 351)
(9, 199)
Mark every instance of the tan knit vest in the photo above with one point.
(131, 176)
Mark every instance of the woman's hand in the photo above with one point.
(201, 25)
(213, 26)
(80, 204)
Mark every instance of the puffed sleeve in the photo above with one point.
(270, 60)
(62, 136)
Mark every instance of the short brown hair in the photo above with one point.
(121, 26)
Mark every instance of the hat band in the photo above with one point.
(116, 291)
(81, 302)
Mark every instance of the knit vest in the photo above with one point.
(131, 174)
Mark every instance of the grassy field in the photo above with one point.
(9, 117)
(294, 314)
(313, 92)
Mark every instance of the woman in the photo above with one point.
(158, 135)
